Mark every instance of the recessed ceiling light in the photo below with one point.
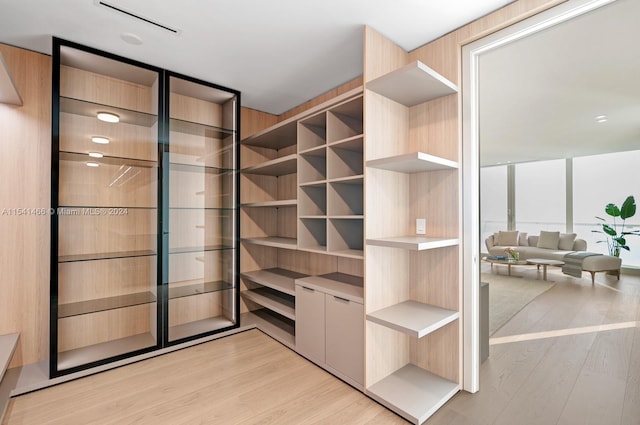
(100, 140)
(95, 155)
(601, 118)
(108, 117)
(131, 38)
(92, 164)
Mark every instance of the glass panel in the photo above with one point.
(540, 196)
(107, 208)
(493, 202)
(201, 210)
(599, 180)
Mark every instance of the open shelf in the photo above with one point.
(345, 121)
(105, 350)
(344, 162)
(413, 243)
(312, 132)
(313, 200)
(312, 234)
(276, 278)
(346, 197)
(91, 109)
(275, 167)
(277, 137)
(416, 162)
(413, 318)
(412, 84)
(102, 304)
(277, 327)
(178, 290)
(8, 345)
(197, 129)
(273, 300)
(413, 393)
(312, 167)
(197, 168)
(273, 241)
(274, 204)
(104, 256)
(198, 327)
(341, 285)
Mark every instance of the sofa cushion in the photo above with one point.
(566, 240)
(509, 238)
(522, 239)
(549, 240)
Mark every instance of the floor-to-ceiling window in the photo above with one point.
(597, 181)
(540, 196)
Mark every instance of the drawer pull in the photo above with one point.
(342, 300)
(308, 289)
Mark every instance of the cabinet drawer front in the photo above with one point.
(310, 323)
(345, 337)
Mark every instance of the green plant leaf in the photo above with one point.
(628, 208)
(620, 240)
(612, 210)
(609, 230)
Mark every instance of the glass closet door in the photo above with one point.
(105, 203)
(200, 209)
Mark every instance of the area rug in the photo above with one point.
(509, 295)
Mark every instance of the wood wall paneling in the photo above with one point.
(253, 121)
(381, 55)
(25, 167)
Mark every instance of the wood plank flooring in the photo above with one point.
(581, 377)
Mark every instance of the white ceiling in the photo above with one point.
(278, 53)
(539, 96)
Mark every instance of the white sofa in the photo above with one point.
(532, 247)
(551, 246)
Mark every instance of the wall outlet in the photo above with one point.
(421, 226)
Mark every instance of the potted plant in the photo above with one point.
(615, 233)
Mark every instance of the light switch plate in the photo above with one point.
(421, 226)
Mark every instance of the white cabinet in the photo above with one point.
(330, 325)
(310, 323)
(344, 336)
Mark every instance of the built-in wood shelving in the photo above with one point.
(337, 284)
(273, 241)
(276, 278)
(273, 300)
(102, 304)
(416, 162)
(178, 290)
(275, 167)
(413, 243)
(413, 392)
(278, 327)
(413, 318)
(412, 84)
(272, 204)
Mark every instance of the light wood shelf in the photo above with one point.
(276, 137)
(273, 300)
(272, 204)
(341, 285)
(412, 84)
(413, 393)
(102, 304)
(273, 241)
(93, 353)
(8, 344)
(275, 167)
(417, 162)
(8, 92)
(277, 327)
(413, 243)
(413, 318)
(276, 278)
(198, 129)
(204, 248)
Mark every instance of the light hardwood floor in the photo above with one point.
(587, 376)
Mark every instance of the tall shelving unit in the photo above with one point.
(412, 288)
(144, 223)
(302, 233)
